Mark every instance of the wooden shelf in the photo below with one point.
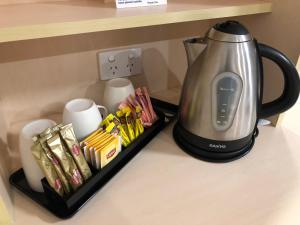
(50, 19)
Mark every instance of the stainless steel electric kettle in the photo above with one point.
(221, 99)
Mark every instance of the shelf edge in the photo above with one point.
(88, 26)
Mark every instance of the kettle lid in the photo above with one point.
(229, 31)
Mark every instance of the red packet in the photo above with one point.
(153, 114)
(143, 101)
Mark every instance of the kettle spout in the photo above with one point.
(193, 48)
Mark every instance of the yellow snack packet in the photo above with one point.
(129, 123)
(136, 129)
(122, 119)
(138, 121)
(107, 121)
(116, 128)
(112, 129)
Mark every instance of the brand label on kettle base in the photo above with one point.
(138, 3)
(217, 146)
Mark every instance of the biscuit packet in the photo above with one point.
(68, 136)
(47, 167)
(67, 163)
(43, 141)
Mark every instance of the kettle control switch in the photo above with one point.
(226, 93)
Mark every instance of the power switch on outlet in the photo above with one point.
(120, 63)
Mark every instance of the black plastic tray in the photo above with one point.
(66, 207)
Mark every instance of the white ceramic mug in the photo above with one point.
(31, 169)
(84, 115)
(115, 91)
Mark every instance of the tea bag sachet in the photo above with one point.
(108, 151)
(87, 142)
(97, 151)
(91, 146)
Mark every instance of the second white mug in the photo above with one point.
(84, 115)
(115, 91)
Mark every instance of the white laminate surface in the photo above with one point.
(163, 185)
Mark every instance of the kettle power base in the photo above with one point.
(209, 156)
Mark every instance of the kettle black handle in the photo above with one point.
(291, 89)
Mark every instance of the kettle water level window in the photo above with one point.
(226, 93)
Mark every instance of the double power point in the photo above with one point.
(120, 63)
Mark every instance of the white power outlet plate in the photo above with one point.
(120, 63)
